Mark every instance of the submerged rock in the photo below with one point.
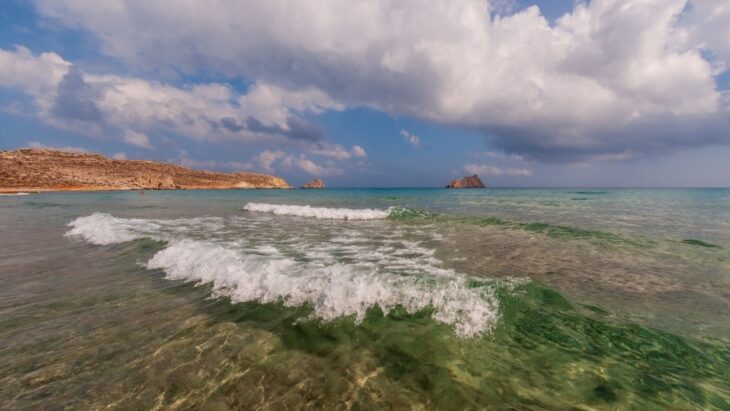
(314, 184)
(467, 182)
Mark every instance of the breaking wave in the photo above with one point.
(332, 291)
(103, 229)
(404, 274)
(408, 214)
(320, 212)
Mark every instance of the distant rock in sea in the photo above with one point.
(314, 184)
(36, 169)
(467, 182)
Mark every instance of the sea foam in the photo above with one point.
(319, 212)
(103, 229)
(332, 291)
(384, 276)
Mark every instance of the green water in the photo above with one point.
(479, 299)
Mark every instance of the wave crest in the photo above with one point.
(103, 229)
(332, 291)
(319, 212)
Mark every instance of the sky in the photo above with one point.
(379, 93)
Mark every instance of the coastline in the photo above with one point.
(44, 170)
(91, 189)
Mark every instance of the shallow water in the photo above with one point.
(466, 299)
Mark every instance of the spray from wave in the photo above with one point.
(332, 287)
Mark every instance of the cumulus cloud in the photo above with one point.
(490, 170)
(410, 138)
(308, 166)
(67, 97)
(338, 152)
(266, 158)
(708, 26)
(119, 156)
(610, 76)
(358, 151)
(35, 74)
(137, 139)
(271, 160)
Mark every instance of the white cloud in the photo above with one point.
(358, 151)
(210, 111)
(337, 151)
(266, 158)
(120, 156)
(67, 97)
(610, 75)
(303, 164)
(21, 69)
(308, 166)
(38, 144)
(495, 154)
(137, 139)
(490, 170)
(708, 26)
(412, 139)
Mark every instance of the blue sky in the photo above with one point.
(523, 93)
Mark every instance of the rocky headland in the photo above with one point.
(314, 184)
(467, 182)
(36, 169)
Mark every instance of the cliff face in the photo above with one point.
(42, 169)
(314, 184)
(467, 182)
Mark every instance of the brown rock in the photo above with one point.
(51, 170)
(467, 182)
(314, 184)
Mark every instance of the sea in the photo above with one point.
(508, 299)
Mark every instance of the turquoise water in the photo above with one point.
(377, 298)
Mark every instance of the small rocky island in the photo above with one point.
(467, 182)
(314, 184)
(36, 169)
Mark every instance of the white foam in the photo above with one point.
(267, 250)
(319, 212)
(14, 194)
(103, 229)
(298, 268)
(332, 291)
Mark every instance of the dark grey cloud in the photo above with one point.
(297, 129)
(231, 124)
(657, 136)
(76, 99)
(300, 129)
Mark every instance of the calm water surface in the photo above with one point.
(378, 298)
